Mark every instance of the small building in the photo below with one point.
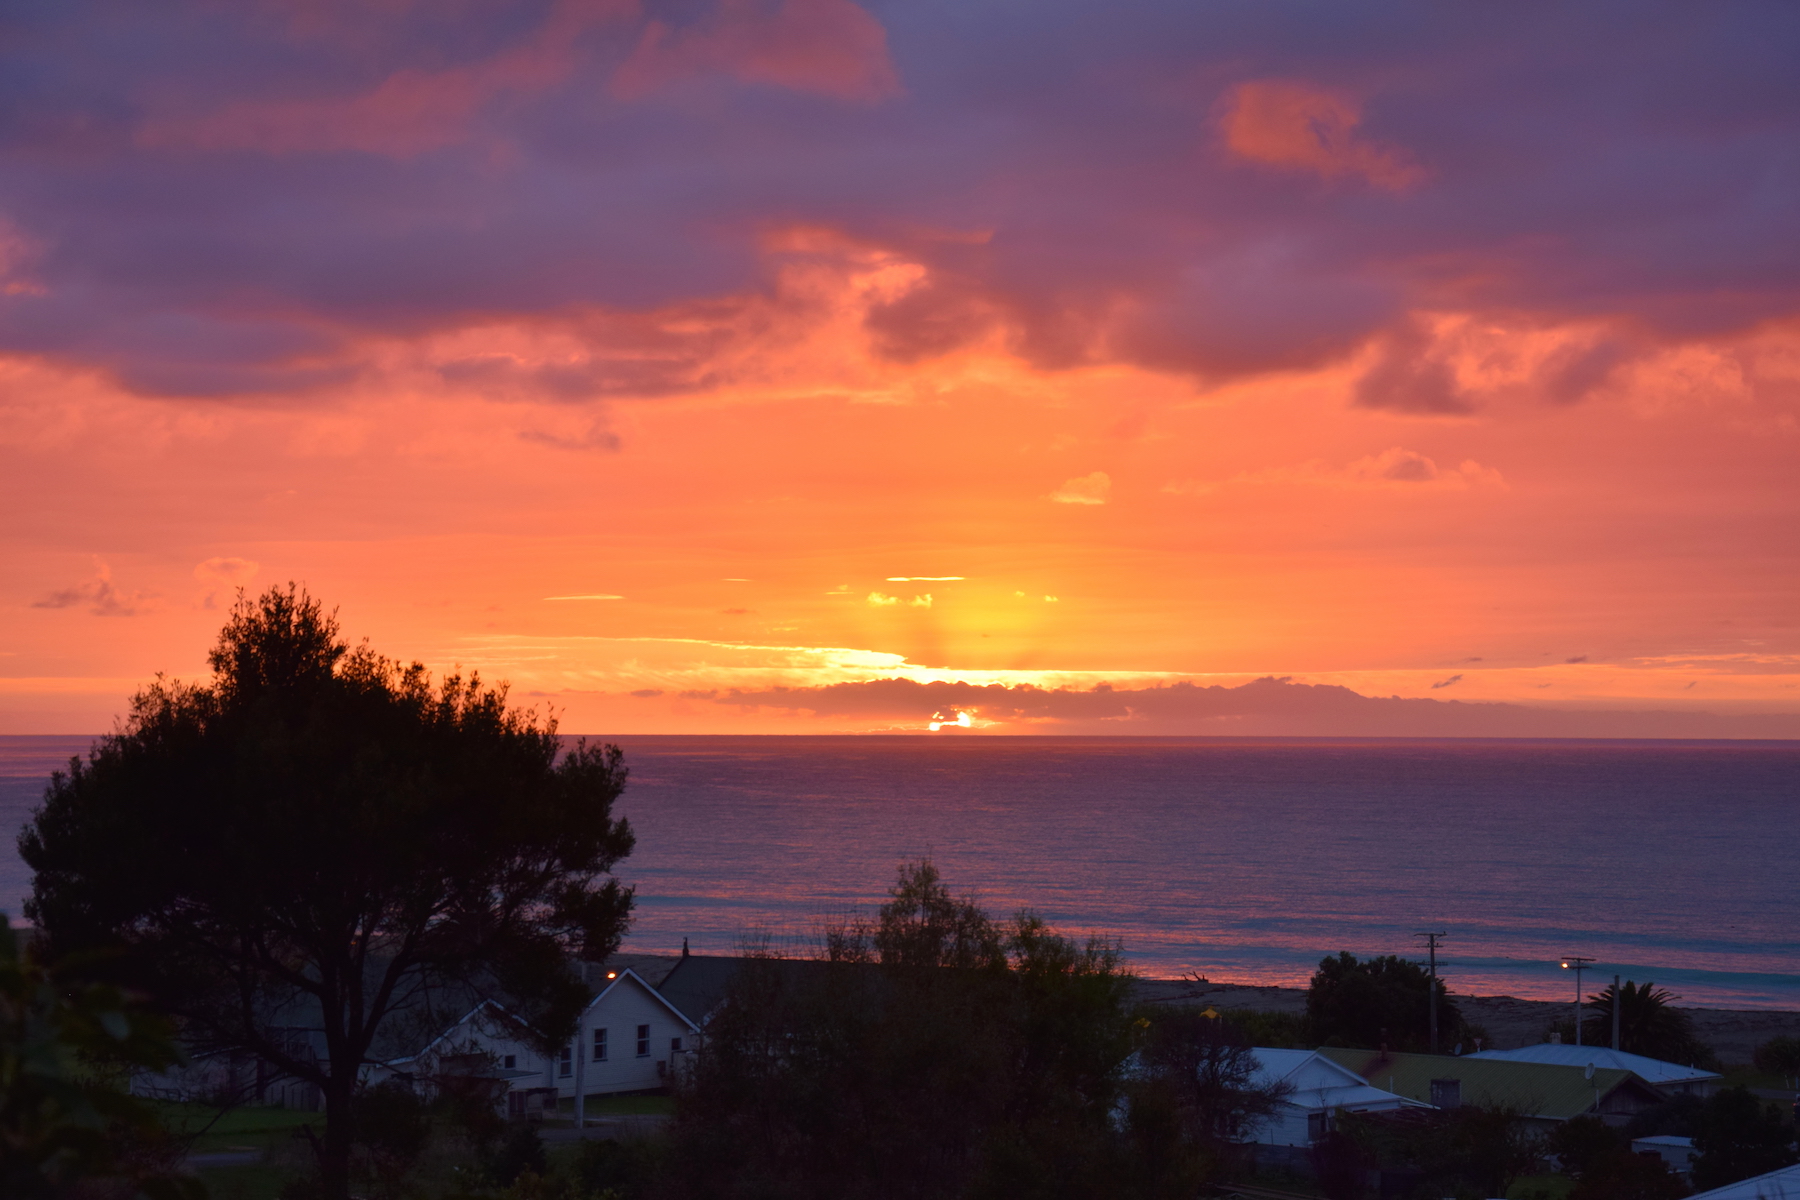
(1544, 1093)
(1672, 1079)
(1677, 1152)
(1322, 1088)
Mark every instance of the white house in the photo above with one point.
(487, 1043)
(1672, 1079)
(1321, 1088)
(630, 1040)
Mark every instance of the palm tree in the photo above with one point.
(1649, 1024)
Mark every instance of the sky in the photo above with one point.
(762, 366)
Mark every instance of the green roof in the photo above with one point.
(1539, 1089)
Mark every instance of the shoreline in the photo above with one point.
(1733, 1033)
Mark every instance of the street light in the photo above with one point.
(1576, 963)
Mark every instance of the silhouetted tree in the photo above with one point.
(1197, 1087)
(1737, 1136)
(1470, 1150)
(934, 1052)
(1604, 1167)
(1384, 1001)
(1648, 1025)
(1780, 1056)
(319, 837)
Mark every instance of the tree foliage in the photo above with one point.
(1194, 1098)
(322, 838)
(1737, 1136)
(1604, 1167)
(1384, 1001)
(1474, 1149)
(1780, 1056)
(934, 1052)
(63, 1116)
(1649, 1024)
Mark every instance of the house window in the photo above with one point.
(643, 1041)
(1316, 1126)
(565, 1065)
(599, 1045)
(674, 1045)
(510, 1062)
(1446, 1093)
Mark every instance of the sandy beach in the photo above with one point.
(1733, 1034)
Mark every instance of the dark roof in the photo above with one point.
(698, 983)
(1540, 1089)
(651, 968)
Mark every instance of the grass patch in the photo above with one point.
(1540, 1187)
(653, 1104)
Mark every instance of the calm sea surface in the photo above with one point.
(1243, 861)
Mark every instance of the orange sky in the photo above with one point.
(862, 458)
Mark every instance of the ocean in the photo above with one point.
(1243, 861)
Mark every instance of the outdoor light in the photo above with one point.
(1577, 964)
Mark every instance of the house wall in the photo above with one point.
(484, 1035)
(620, 1011)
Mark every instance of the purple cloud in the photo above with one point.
(229, 200)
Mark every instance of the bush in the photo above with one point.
(521, 1151)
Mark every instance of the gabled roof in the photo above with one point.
(498, 1011)
(1320, 1085)
(1282, 1065)
(1651, 1070)
(1546, 1090)
(1776, 1185)
(629, 976)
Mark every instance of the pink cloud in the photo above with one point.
(101, 596)
(829, 47)
(1296, 125)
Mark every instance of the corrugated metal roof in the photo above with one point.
(1654, 1070)
(1776, 1185)
(1539, 1089)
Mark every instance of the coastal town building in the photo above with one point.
(630, 1039)
(1672, 1079)
(1321, 1088)
(1545, 1094)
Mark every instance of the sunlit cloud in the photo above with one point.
(923, 578)
(1395, 467)
(1084, 489)
(881, 601)
(1299, 126)
(591, 596)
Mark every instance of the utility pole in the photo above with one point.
(1615, 1008)
(1574, 962)
(1431, 941)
